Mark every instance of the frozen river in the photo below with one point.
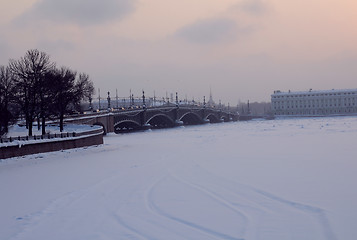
(280, 179)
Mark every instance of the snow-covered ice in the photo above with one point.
(279, 179)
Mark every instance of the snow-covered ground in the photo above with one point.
(16, 130)
(269, 180)
(21, 131)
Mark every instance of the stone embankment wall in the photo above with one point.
(81, 139)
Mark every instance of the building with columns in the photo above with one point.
(315, 103)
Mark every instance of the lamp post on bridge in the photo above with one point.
(108, 98)
(204, 101)
(130, 98)
(117, 98)
(144, 105)
(99, 99)
(154, 103)
(177, 103)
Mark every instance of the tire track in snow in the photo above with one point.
(36, 219)
(135, 231)
(156, 209)
(255, 196)
(145, 226)
(151, 224)
(240, 201)
(217, 198)
(229, 204)
(320, 213)
(55, 207)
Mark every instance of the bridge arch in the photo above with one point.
(191, 118)
(160, 121)
(102, 125)
(213, 118)
(126, 126)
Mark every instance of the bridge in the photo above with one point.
(127, 120)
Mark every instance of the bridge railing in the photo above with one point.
(134, 102)
(166, 106)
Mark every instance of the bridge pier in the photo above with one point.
(178, 123)
(143, 117)
(110, 123)
(144, 125)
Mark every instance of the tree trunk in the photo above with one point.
(30, 127)
(43, 125)
(61, 122)
(6, 128)
(27, 121)
(38, 124)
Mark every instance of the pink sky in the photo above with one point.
(242, 49)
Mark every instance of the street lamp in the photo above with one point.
(108, 98)
(177, 104)
(144, 105)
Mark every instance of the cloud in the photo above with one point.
(253, 7)
(80, 12)
(211, 31)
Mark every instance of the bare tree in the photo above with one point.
(63, 90)
(7, 92)
(43, 90)
(85, 88)
(29, 73)
(68, 90)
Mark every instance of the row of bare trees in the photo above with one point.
(35, 88)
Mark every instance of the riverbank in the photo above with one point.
(74, 136)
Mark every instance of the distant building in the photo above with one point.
(315, 103)
(210, 102)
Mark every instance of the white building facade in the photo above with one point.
(315, 103)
